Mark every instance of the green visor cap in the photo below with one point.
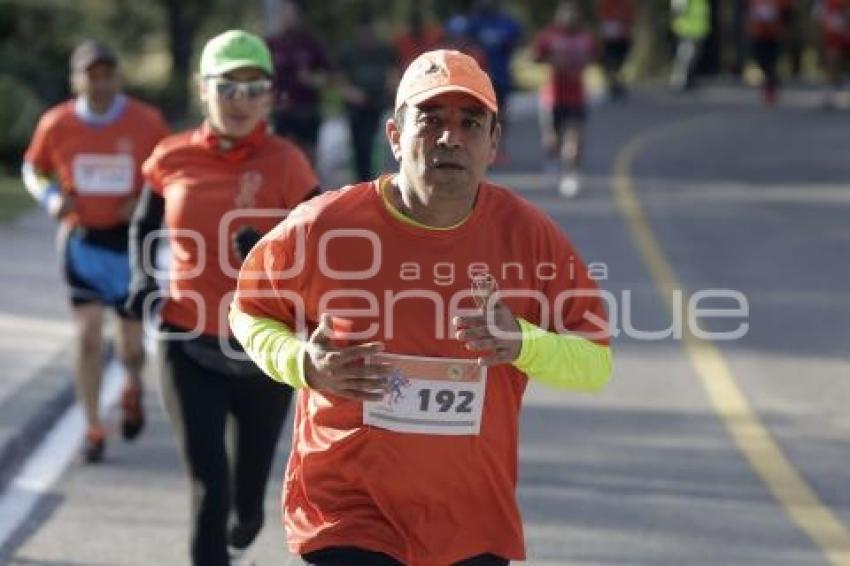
(235, 49)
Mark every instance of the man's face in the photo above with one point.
(446, 143)
(99, 83)
(237, 101)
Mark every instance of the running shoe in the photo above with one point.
(569, 185)
(95, 443)
(241, 556)
(133, 412)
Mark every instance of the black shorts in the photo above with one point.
(96, 265)
(615, 52)
(561, 117)
(766, 53)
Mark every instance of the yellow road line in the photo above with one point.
(745, 427)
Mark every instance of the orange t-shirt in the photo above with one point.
(210, 195)
(100, 166)
(424, 499)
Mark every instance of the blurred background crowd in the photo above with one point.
(158, 44)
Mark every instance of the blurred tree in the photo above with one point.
(159, 42)
(183, 19)
(18, 113)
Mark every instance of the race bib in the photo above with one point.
(430, 396)
(103, 174)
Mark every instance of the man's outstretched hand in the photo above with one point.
(344, 371)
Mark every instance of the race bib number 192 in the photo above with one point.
(430, 396)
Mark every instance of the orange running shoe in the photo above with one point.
(95, 444)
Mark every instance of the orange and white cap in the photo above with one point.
(437, 72)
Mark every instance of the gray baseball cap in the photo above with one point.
(90, 52)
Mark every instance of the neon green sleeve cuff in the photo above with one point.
(563, 361)
(272, 345)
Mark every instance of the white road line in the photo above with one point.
(16, 325)
(53, 456)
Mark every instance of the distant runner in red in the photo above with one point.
(616, 19)
(568, 48)
(84, 166)
(216, 189)
(767, 22)
(834, 19)
(417, 37)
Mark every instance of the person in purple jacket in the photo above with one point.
(302, 69)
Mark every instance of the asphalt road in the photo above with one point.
(661, 468)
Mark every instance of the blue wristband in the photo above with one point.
(52, 189)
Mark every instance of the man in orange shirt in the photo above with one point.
(409, 313)
(83, 165)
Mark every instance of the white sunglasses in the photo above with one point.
(229, 89)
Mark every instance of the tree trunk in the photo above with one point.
(181, 34)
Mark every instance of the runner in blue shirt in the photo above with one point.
(498, 33)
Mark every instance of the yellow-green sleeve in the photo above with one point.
(272, 345)
(564, 361)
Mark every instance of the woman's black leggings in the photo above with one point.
(227, 425)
